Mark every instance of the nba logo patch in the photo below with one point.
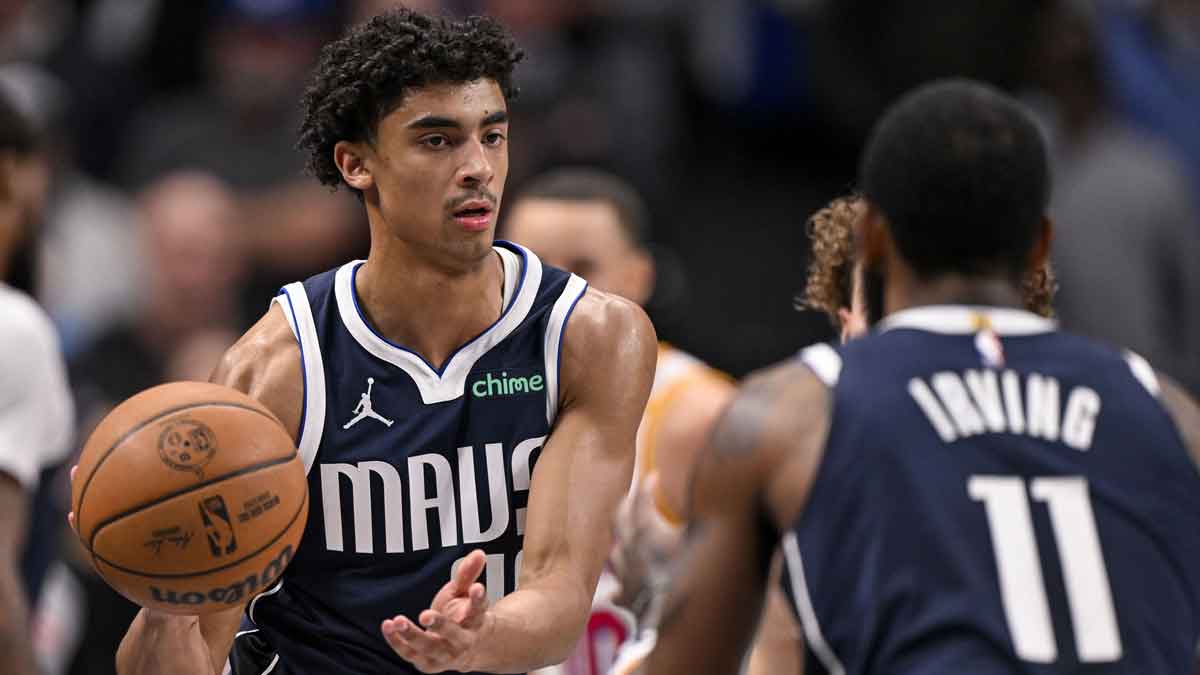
(987, 343)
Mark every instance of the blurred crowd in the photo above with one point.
(175, 205)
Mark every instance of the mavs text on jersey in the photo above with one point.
(409, 467)
(995, 496)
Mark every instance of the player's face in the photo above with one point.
(438, 166)
(584, 237)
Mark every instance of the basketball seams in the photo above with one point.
(266, 464)
(142, 425)
(287, 528)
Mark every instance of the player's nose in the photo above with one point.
(476, 168)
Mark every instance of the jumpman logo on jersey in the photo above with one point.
(364, 409)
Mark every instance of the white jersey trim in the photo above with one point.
(512, 273)
(254, 603)
(450, 383)
(1144, 373)
(808, 616)
(294, 302)
(552, 346)
(824, 361)
(965, 320)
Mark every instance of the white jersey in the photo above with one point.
(36, 411)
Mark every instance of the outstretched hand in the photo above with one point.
(450, 628)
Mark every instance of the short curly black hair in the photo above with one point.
(362, 76)
(960, 170)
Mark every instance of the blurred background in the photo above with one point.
(177, 206)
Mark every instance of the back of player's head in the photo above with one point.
(364, 75)
(594, 185)
(959, 170)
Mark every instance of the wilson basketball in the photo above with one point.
(190, 498)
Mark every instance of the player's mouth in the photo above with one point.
(474, 215)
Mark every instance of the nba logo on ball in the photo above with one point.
(217, 526)
(187, 445)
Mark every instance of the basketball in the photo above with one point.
(190, 498)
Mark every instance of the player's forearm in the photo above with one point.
(159, 643)
(534, 627)
(14, 628)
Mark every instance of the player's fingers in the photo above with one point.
(74, 470)
(471, 612)
(71, 519)
(426, 651)
(456, 638)
(468, 572)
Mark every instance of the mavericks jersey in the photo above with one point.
(409, 467)
(995, 497)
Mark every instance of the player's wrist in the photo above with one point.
(473, 659)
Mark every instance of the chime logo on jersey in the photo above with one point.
(496, 384)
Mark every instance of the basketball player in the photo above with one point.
(35, 404)
(966, 489)
(596, 225)
(514, 394)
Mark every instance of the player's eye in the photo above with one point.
(494, 138)
(437, 142)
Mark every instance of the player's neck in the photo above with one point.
(426, 308)
(950, 290)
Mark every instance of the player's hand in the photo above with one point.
(71, 514)
(646, 543)
(450, 628)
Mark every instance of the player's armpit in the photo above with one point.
(584, 470)
(1184, 411)
(775, 428)
(265, 364)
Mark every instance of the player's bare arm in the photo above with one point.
(1185, 411)
(584, 470)
(750, 485)
(264, 363)
(682, 435)
(14, 615)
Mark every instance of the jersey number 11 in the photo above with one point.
(1020, 569)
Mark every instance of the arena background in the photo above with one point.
(177, 204)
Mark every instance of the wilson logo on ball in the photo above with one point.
(232, 593)
(187, 445)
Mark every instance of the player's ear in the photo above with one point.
(1040, 254)
(351, 161)
(641, 272)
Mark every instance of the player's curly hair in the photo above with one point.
(362, 76)
(830, 282)
(1038, 289)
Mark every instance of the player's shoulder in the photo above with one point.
(265, 363)
(24, 322)
(772, 405)
(603, 325)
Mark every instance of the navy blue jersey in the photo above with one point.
(995, 497)
(409, 467)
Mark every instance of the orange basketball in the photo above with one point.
(190, 498)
